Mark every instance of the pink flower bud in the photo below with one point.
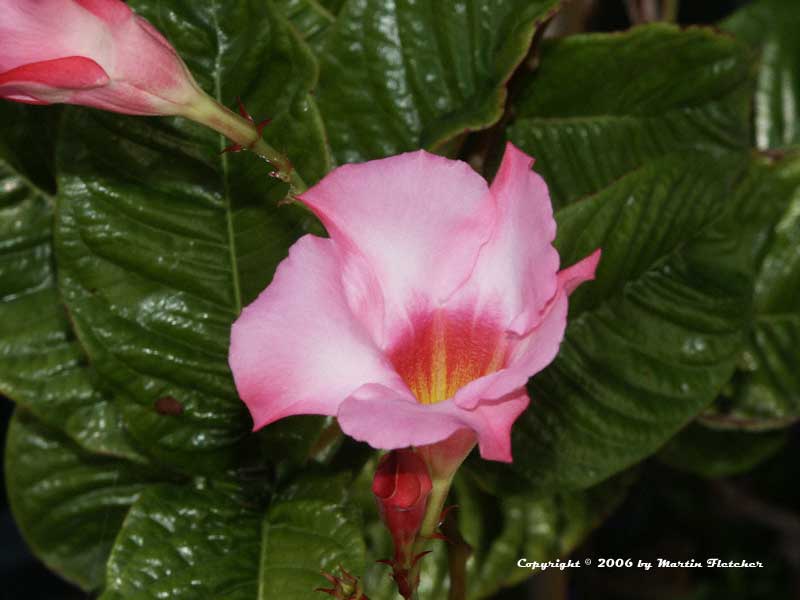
(92, 52)
(402, 486)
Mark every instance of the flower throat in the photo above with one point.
(443, 350)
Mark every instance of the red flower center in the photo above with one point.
(444, 350)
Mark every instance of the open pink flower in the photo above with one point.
(92, 52)
(425, 312)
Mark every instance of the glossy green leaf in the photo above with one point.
(42, 367)
(246, 49)
(302, 538)
(596, 109)
(718, 453)
(310, 18)
(770, 27)
(182, 543)
(161, 239)
(396, 76)
(69, 504)
(765, 391)
(651, 341)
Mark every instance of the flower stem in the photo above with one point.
(433, 513)
(244, 132)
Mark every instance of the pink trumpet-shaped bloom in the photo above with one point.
(92, 52)
(424, 314)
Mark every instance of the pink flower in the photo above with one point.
(92, 52)
(424, 314)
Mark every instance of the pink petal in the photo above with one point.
(583, 270)
(492, 422)
(414, 220)
(33, 32)
(388, 418)
(297, 349)
(52, 81)
(112, 12)
(518, 265)
(533, 352)
(147, 61)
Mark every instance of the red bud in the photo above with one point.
(401, 486)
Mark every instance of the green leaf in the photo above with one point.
(588, 127)
(160, 240)
(190, 544)
(311, 19)
(69, 504)
(332, 6)
(42, 367)
(770, 27)
(399, 76)
(653, 339)
(715, 453)
(765, 391)
(181, 543)
(300, 539)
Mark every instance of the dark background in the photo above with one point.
(667, 513)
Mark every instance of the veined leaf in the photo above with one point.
(161, 239)
(396, 76)
(770, 27)
(596, 110)
(42, 367)
(68, 503)
(189, 544)
(311, 19)
(765, 391)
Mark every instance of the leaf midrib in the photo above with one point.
(225, 169)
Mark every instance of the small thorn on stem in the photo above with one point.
(420, 556)
(232, 148)
(259, 128)
(261, 124)
(446, 512)
(243, 110)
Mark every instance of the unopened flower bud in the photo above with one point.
(401, 486)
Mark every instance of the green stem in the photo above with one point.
(433, 512)
(244, 132)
